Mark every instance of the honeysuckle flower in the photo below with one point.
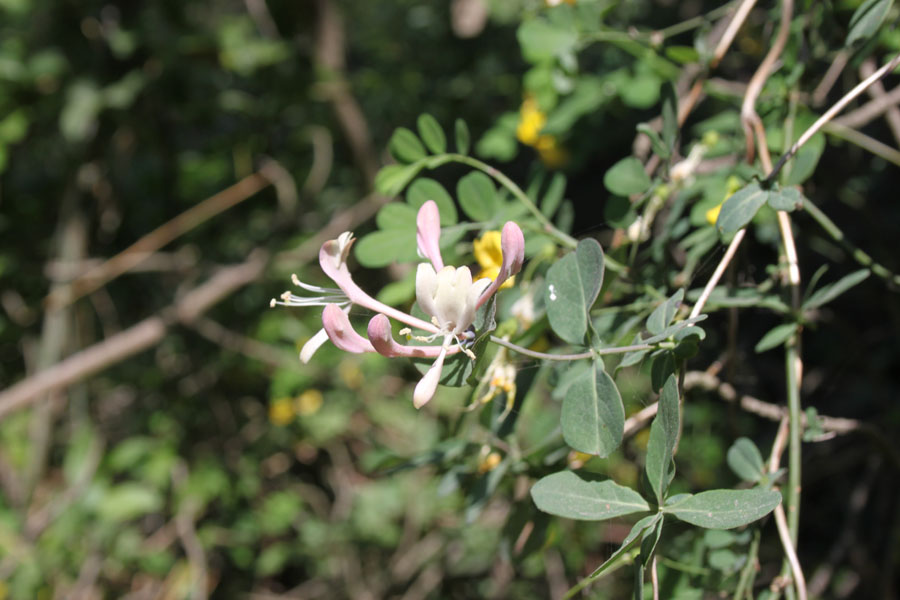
(446, 294)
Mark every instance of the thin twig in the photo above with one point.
(892, 116)
(830, 78)
(579, 356)
(790, 554)
(832, 112)
(740, 15)
(156, 239)
(871, 110)
(868, 143)
(717, 274)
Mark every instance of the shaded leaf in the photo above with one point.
(566, 494)
(541, 40)
(391, 179)
(775, 337)
(740, 208)
(663, 314)
(788, 199)
(827, 293)
(866, 20)
(661, 444)
(745, 460)
(636, 532)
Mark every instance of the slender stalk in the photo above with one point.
(717, 274)
(748, 573)
(790, 553)
(879, 149)
(561, 236)
(579, 356)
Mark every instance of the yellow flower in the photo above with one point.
(712, 215)
(489, 255)
(577, 459)
(281, 411)
(307, 403)
(531, 121)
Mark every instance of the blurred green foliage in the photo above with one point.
(214, 463)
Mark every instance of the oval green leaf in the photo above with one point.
(477, 196)
(573, 283)
(431, 133)
(565, 494)
(661, 444)
(627, 177)
(725, 509)
(405, 146)
(745, 460)
(593, 418)
(463, 138)
(424, 189)
(740, 208)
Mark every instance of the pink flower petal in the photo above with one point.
(333, 260)
(341, 332)
(383, 341)
(512, 244)
(428, 233)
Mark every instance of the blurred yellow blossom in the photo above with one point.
(577, 459)
(308, 403)
(531, 121)
(490, 257)
(281, 411)
(488, 462)
(712, 215)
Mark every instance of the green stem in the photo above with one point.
(856, 253)
(748, 573)
(792, 355)
(562, 237)
(579, 356)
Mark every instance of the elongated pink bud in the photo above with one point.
(341, 332)
(381, 338)
(512, 244)
(428, 233)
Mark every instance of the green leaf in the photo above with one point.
(775, 337)
(656, 142)
(682, 54)
(669, 115)
(391, 179)
(663, 314)
(424, 189)
(566, 494)
(381, 248)
(740, 208)
(477, 196)
(463, 139)
(745, 460)
(725, 509)
(405, 146)
(661, 444)
(593, 417)
(431, 133)
(573, 283)
(128, 501)
(802, 166)
(662, 367)
(827, 293)
(396, 215)
(788, 199)
(866, 20)
(541, 40)
(627, 177)
(554, 195)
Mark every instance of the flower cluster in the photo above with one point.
(447, 294)
(531, 121)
